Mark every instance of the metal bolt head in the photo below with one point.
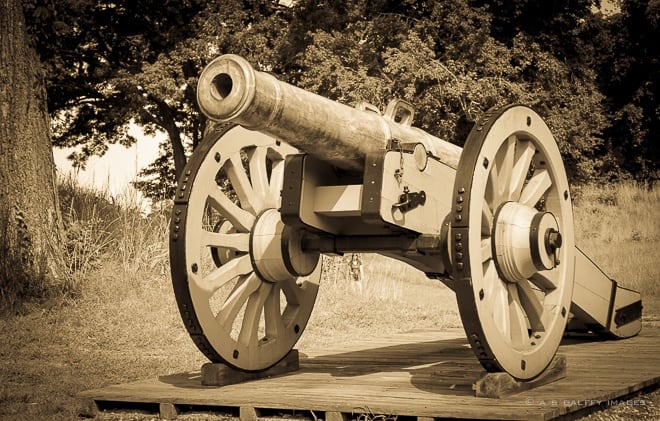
(553, 240)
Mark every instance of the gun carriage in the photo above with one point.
(298, 176)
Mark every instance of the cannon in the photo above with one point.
(296, 176)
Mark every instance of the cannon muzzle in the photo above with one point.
(230, 89)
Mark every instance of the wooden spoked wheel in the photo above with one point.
(229, 253)
(512, 242)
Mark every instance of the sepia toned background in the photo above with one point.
(98, 118)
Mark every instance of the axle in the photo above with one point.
(230, 89)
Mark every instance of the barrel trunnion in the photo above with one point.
(302, 176)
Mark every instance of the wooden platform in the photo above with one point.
(423, 375)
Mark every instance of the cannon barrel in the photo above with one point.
(229, 89)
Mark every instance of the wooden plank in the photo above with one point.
(216, 374)
(248, 413)
(335, 416)
(499, 385)
(591, 293)
(338, 200)
(423, 374)
(167, 411)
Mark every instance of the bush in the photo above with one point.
(101, 229)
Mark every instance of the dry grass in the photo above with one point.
(123, 324)
(618, 226)
(393, 298)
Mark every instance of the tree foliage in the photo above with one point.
(90, 50)
(115, 63)
(450, 61)
(629, 75)
(591, 76)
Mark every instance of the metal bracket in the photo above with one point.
(400, 111)
(628, 313)
(409, 200)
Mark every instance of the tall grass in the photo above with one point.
(618, 226)
(111, 235)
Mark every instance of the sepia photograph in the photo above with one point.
(308, 210)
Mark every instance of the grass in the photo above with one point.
(618, 226)
(122, 324)
(393, 298)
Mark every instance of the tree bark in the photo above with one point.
(165, 120)
(178, 151)
(31, 233)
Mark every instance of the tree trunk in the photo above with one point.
(31, 233)
(178, 151)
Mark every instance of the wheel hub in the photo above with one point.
(276, 249)
(525, 241)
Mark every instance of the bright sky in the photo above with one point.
(117, 168)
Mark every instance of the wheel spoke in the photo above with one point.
(546, 280)
(486, 250)
(238, 241)
(273, 314)
(536, 188)
(486, 219)
(497, 297)
(518, 323)
(532, 305)
(242, 186)
(248, 335)
(491, 195)
(491, 281)
(501, 308)
(236, 299)
(259, 174)
(524, 153)
(504, 162)
(292, 292)
(239, 218)
(225, 273)
(276, 181)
